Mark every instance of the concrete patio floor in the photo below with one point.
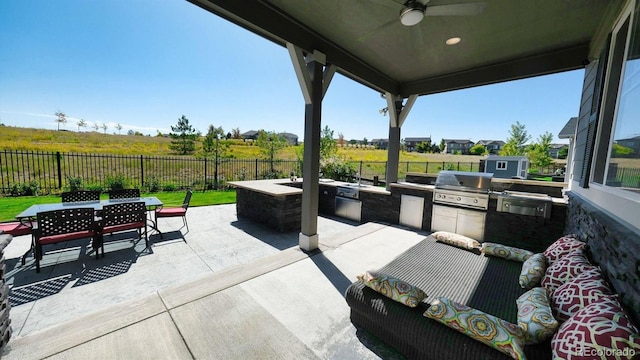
(226, 288)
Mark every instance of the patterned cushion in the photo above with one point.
(488, 329)
(579, 292)
(393, 288)
(535, 316)
(562, 247)
(457, 240)
(565, 269)
(532, 271)
(507, 252)
(600, 330)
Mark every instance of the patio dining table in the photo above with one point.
(29, 215)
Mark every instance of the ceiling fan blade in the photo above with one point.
(464, 9)
(378, 29)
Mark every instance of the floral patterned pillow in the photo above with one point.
(599, 331)
(393, 288)
(562, 247)
(565, 269)
(535, 316)
(507, 252)
(457, 240)
(578, 293)
(532, 271)
(486, 328)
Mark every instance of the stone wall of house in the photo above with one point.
(5, 321)
(613, 244)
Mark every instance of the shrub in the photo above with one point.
(153, 184)
(74, 183)
(117, 182)
(25, 189)
(275, 174)
(95, 187)
(337, 168)
(169, 187)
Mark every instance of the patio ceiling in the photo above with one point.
(508, 40)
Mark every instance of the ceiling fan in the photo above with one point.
(413, 11)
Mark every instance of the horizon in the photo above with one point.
(103, 63)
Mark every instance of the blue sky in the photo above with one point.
(144, 63)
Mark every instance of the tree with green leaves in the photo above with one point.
(119, 127)
(183, 137)
(538, 153)
(442, 145)
(61, 118)
(270, 143)
(424, 147)
(104, 127)
(478, 149)
(365, 142)
(515, 144)
(328, 146)
(211, 145)
(81, 124)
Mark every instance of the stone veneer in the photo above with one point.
(5, 321)
(279, 212)
(613, 244)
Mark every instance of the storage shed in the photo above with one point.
(507, 167)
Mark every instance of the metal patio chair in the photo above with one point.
(121, 217)
(169, 212)
(80, 196)
(124, 194)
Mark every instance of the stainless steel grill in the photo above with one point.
(463, 189)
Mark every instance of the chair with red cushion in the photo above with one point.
(124, 216)
(16, 228)
(63, 225)
(80, 196)
(181, 211)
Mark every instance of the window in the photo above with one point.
(617, 157)
(501, 165)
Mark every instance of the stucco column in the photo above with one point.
(393, 155)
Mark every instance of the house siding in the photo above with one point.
(581, 147)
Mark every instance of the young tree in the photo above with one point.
(119, 127)
(424, 147)
(478, 149)
(515, 144)
(341, 140)
(104, 127)
(96, 126)
(327, 143)
(442, 145)
(235, 133)
(211, 145)
(270, 143)
(538, 153)
(365, 142)
(61, 118)
(81, 124)
(183, 137)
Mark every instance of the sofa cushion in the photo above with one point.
(486, 328)
(600, 330)
(578, 293)
(533, 270)
(393, 288)
(562, 247)
(535, 316)
(457, 240)
(507, 252)
(565, 269)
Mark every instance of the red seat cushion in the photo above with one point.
(122, 227)
(15, 228)
(52, 239)
(170, 212)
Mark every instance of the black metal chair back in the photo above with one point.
(124, 213)
(187, 199)
(124, 194)
(80, 196)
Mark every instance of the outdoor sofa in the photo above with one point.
(489, 284)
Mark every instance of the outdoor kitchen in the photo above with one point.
(515, 212)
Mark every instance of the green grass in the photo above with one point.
(12, 206)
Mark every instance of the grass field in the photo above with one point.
(12, 206)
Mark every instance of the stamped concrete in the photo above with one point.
(78, 305)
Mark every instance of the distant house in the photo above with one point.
(554, 149)
(569, 132)
(454, 146)
(250, 135)
(507, 167)
(380, 143)
(411, 143)
(292, 139)
(492, 146)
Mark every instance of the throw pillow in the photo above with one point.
(507, 252)
(565, 269)
(562, 247)
(535, 316)
(532, 271)
(393, 288)
(599, 331)
(457, 240)
(486, 328)
(578, 293)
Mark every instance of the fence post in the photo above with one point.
(458, 165)
(141, 172)
(58, 158)
(256, 177)
(426, 167)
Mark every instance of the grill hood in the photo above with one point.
(464, 181)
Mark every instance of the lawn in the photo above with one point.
(12, 206)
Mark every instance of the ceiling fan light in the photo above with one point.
(453, 41)
(411, 16)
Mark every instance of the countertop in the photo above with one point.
(281, 187)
